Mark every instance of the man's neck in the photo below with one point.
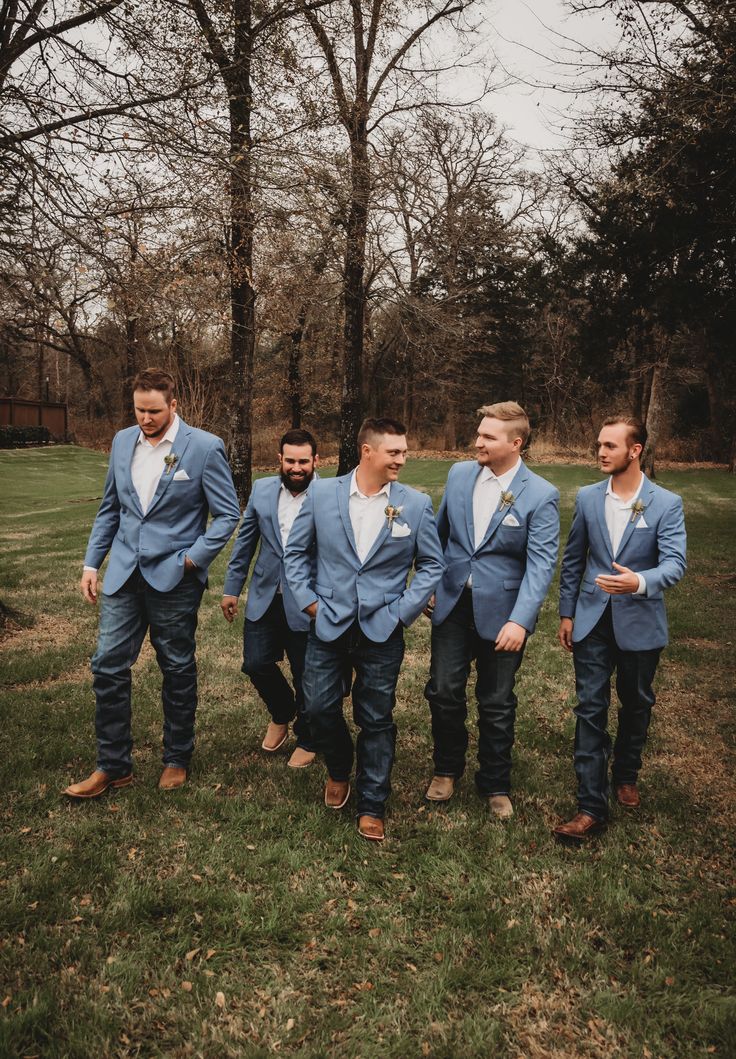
(503, 468)
(626, 483)
(367, 483)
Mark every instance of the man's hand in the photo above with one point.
(511, 637)
(89, 586)
(625, 581)
(229, 607)
(311, 610)
(564, 633)
(430, 606)
(188, 564)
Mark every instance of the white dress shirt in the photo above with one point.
(486, 500)
(289, 505)
(367, 515)
(618, 515)
(148, 464)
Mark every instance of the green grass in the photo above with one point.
(122, 921)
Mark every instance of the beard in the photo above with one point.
(296, 485)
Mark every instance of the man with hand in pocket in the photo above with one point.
(368, 531)
(499, 526)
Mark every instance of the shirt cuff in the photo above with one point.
(642, 590)
(92, 569)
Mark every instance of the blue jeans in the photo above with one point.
(596, 657)
(376, 668)
(455, 643)
(126, 616)
(264, 644)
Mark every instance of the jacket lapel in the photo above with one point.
(396, 494)
(517, 487)
(473, 478)
(600, 512)
(181, 442)
(126, 455)
(646, 494)
(273, 510)
(343, 498)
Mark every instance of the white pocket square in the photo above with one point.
(181, 476)
(397, 530)
(510, 520)
(641, 524)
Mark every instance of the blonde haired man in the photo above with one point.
(499, 527)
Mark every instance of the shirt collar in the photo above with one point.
(355, 491)
(170, 434)
(505, 479)
(615, 496)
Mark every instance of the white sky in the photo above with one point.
(532, 39)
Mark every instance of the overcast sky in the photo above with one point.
(532, 40)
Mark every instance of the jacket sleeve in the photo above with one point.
(222, 501)
(106, 521)
(573, 562)
(299, 554)
(429, 568)
(543, 542)
(243, 550)
(672, 547)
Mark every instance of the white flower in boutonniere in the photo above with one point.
(391, 513)
(507, 500)
(171, 460)
(637, 508)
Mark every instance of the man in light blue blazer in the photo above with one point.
(499, 524)
(163, 482)
(627, 544)
(369, 531)
(274, 624)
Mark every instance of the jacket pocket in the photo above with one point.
(323, 590)
(512, 583)
(588, 586)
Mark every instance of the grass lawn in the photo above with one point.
(238, 917)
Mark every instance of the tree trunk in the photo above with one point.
(351, 411)
(294, 369)
(242, 292)
(654, 419)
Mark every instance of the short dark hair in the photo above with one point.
(298, 437)
(637, 431)
(156, 379)
(371, 429)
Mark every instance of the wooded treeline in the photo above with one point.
(293, 206)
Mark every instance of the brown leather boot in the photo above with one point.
(275, 737)
(441, 789)
(371, 828)
(301, 758)
(578, 830)
(97, 784)
(628, 796)
(337, 793)
(172, 778)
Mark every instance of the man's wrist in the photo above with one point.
(89, 569)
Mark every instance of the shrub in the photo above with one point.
(13, 437)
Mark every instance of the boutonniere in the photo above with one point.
(637, 508)
(391, 513)
(171, 460)
(507, 500)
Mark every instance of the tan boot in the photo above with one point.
(172, 778)
(301, 758)
(97, 784)
(337, 793)
(371, 828)
(500, 805)
(275, 737)
(441, 789)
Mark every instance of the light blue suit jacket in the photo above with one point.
(261, 523)
(374, 592)
(655, 549)
(175, 525)
(512, 568)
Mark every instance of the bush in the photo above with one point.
(12, 437)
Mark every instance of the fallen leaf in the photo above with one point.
(186, 986)
(669, 981)
(25, 831)
(191, 954)
(6, 1001)
(220, 1000)
(210, 953)
(289, 1025)
(412, 967)
(197, 878)
(374, 932)
(439, 957)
